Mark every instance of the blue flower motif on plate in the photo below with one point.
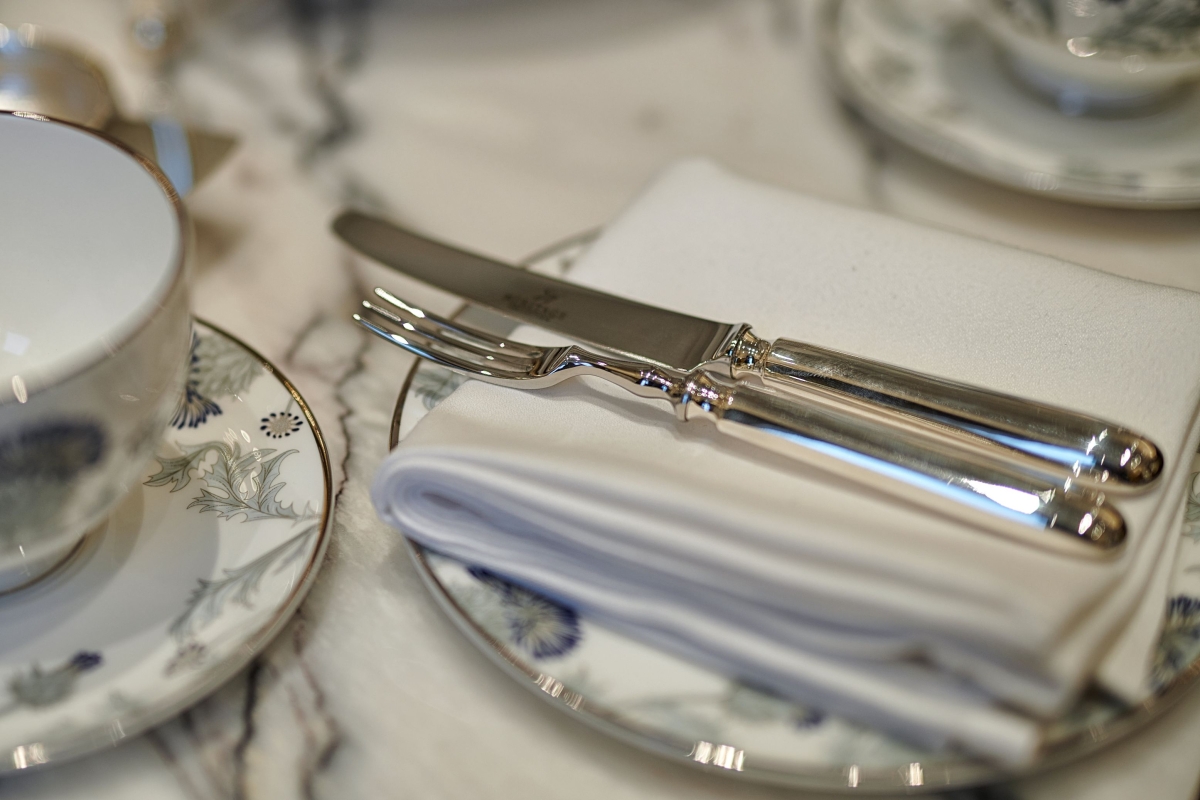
(84, 660)
(37, 687)
(809, 718)
(194, 409)
(538, 625)
(279, 424)
(1179, 644)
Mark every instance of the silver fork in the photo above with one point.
(917, 460)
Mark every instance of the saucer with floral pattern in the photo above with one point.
(924, 72)
(195, 571)
(666, 705)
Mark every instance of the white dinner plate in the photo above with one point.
(666, 705)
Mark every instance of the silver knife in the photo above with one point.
(1008, 428)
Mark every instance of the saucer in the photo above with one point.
(926, 74)
(192, 575)
(669, 706)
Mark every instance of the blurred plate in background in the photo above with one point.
(926, 73)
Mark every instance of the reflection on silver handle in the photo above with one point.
(904, 456)
(1094, 451)
(896, 457)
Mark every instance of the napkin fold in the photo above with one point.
(774, 572)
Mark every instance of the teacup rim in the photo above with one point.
(67, 368)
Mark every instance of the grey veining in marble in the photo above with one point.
(503, 126)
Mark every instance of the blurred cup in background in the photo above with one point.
(1099, 56)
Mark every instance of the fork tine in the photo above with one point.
(480, 339)
(437, 333)
(485, 346)
(426, 340)
(419, 346)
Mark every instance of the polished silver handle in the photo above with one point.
(905, 456)
(898, 457)
(1093, 451)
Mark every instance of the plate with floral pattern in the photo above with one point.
(666, 705)
(925, 73)
(194, 572)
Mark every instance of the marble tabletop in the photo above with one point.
(503, 126)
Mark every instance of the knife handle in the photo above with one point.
(1094, 451)
(906, 458)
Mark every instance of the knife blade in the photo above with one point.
(666, 338)
(1005, 427)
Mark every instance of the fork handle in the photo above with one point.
(907, 459)
(1095, 451)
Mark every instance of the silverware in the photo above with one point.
(1093, 451)
(42, 76)
(903, 457)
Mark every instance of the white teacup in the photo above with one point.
(1106, 56)
(94, 332)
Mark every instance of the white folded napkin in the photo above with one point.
(813, 586)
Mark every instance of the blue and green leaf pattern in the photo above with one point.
(241, 509)
(235, 480)
(35, 687)
(536, 624)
